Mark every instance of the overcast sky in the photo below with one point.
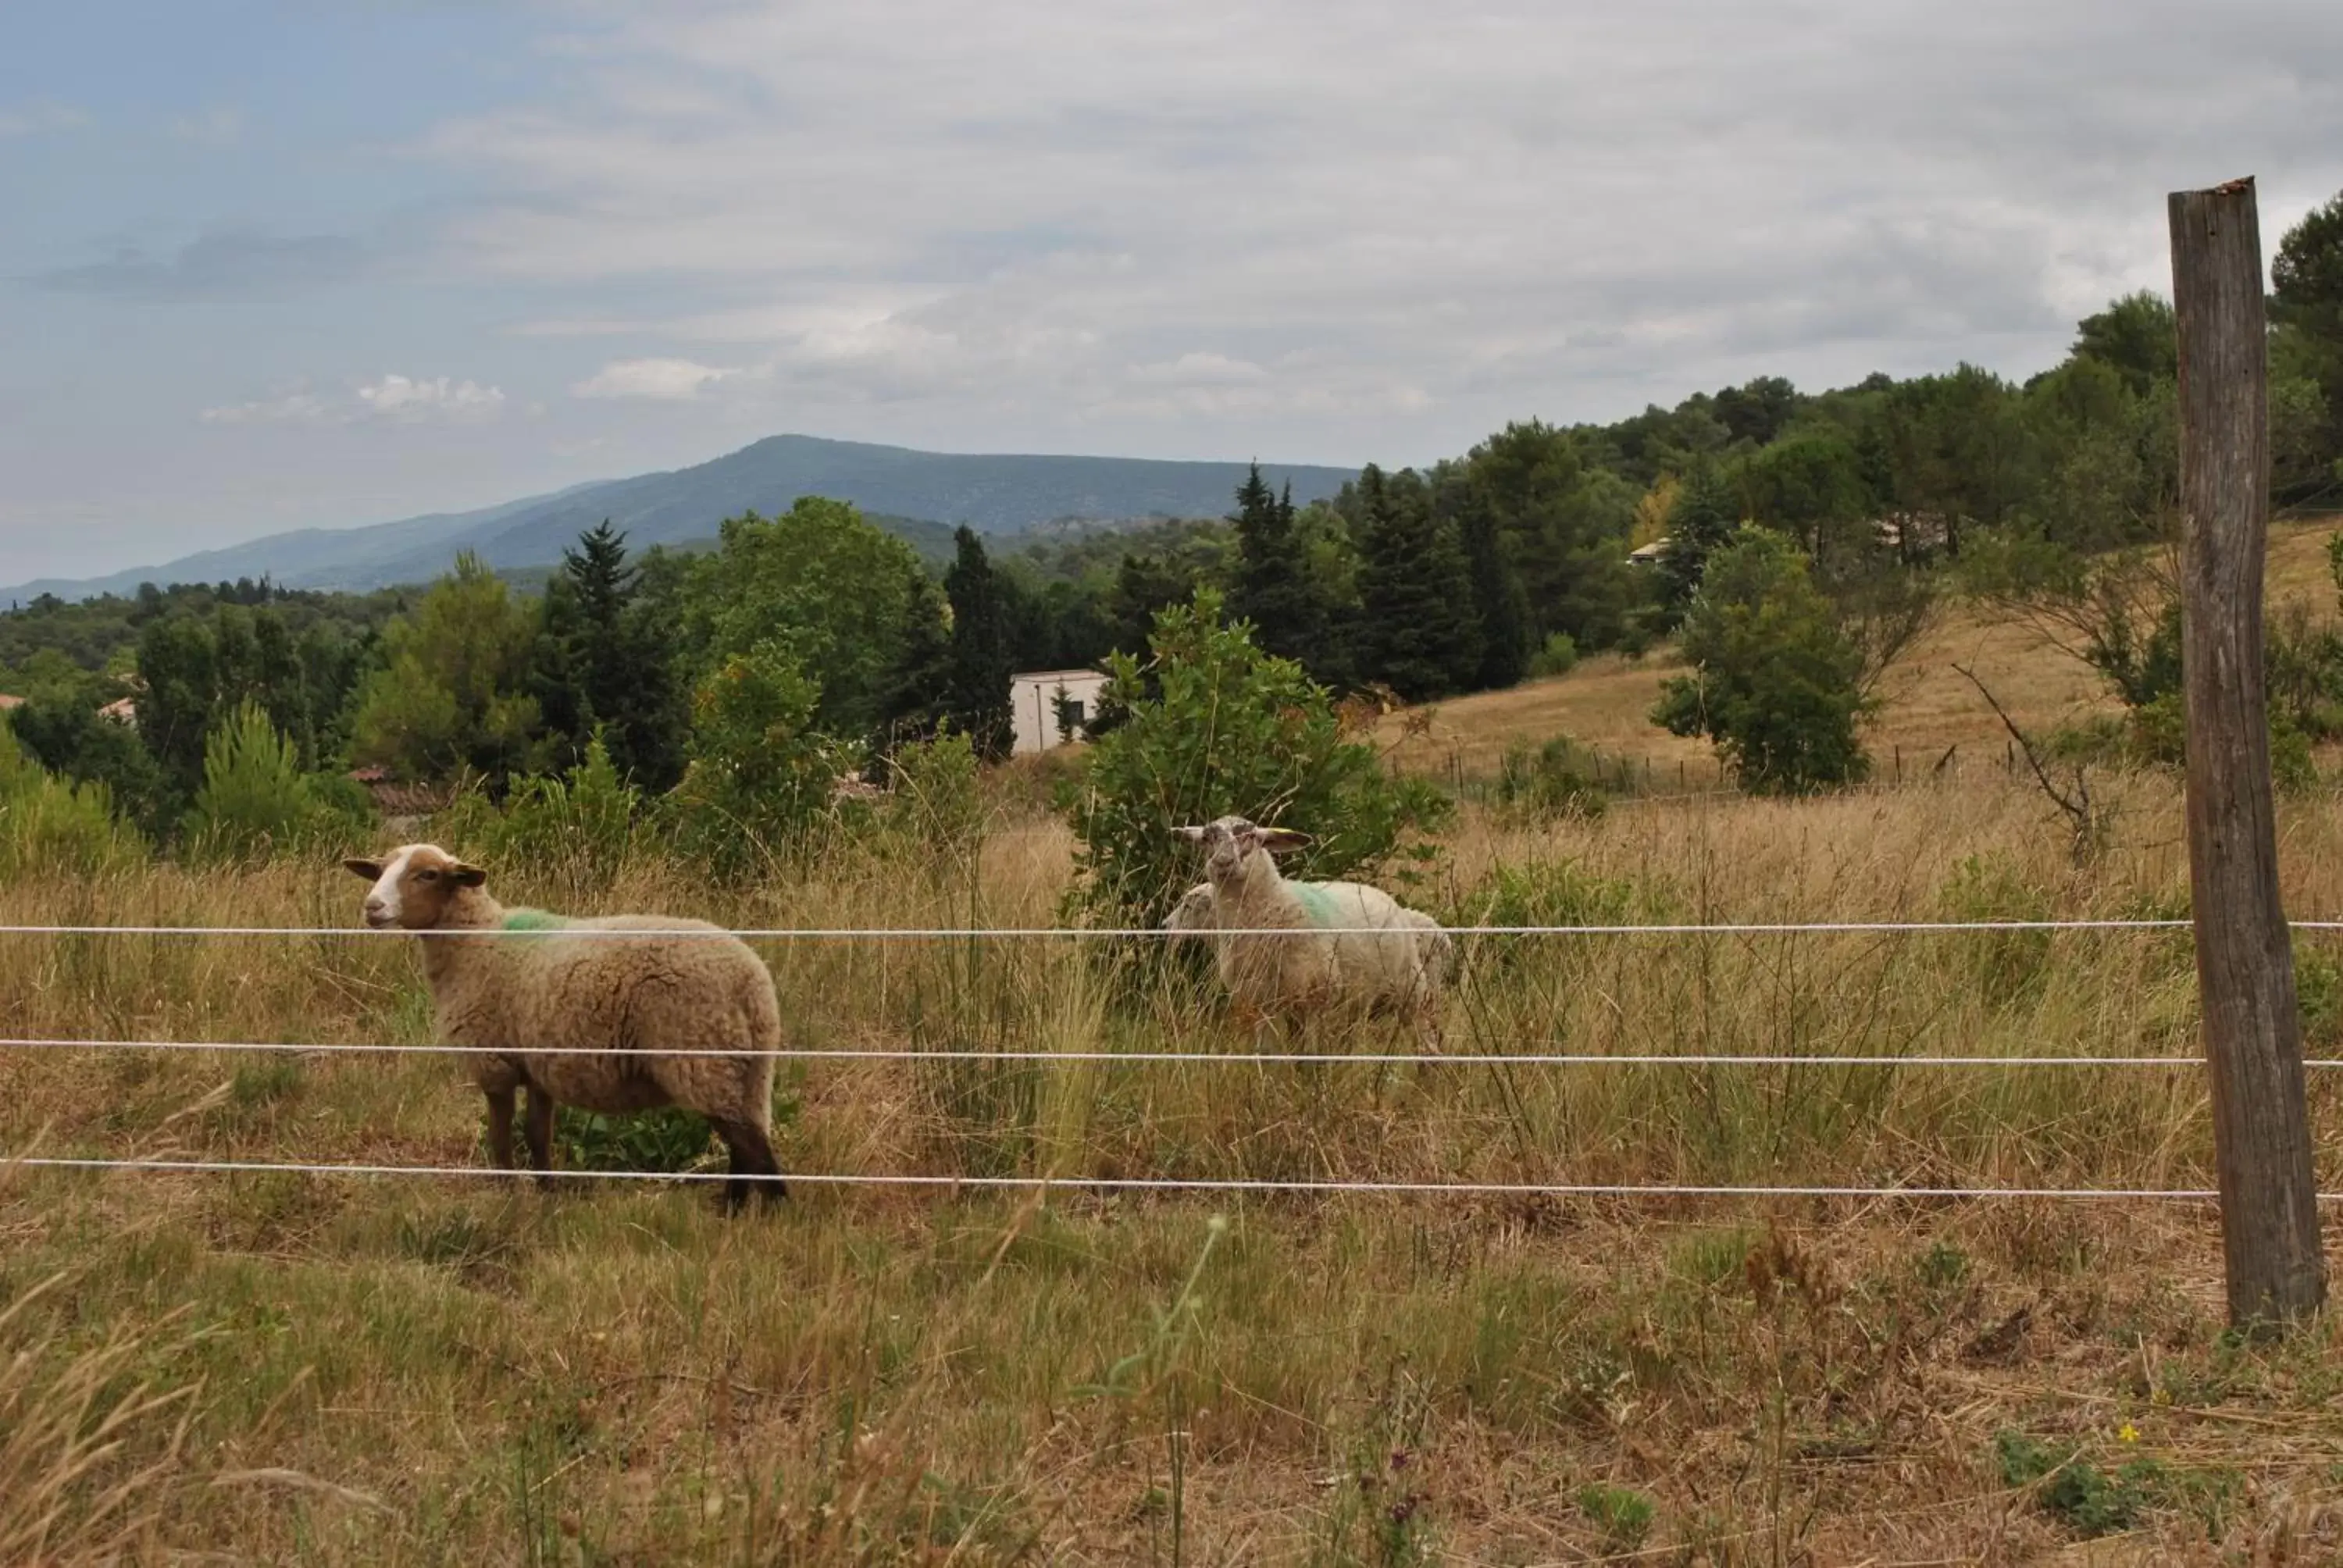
(266, 265)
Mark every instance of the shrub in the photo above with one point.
(47, 825)
(936, 801)
(1557, 656)
(581, 828)
(255, 800)
(1551, 893)
(760, 775)
(2086, 1499)
(1552, 780)
(1212, 726)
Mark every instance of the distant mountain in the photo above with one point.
(919, 495)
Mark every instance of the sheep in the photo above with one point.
(1376, 954)
(1194, 917)
(612, 1005)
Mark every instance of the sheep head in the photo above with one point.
(1236, 850)
(414, 887)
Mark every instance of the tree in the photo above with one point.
(824, 580)
(2307, 357)
(1500, 605)
(1699, 524)
(760, 772)
(979, 699)
(453, 693)
(1273, 588)
(1144, 583)
(604, 664)
(1562, 522)
(1212, 725)
(919, 688)
(1809, 485)
(1775, 685)
(2136, 336)
(1419, 633)
(1757, 411)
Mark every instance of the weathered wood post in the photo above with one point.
(2245, 961)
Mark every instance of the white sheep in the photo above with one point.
(1368, 952)
(611, 1006)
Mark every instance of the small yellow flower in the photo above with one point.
(2127, 1432)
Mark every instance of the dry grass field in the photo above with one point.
(297, 1368)
(1605, 702)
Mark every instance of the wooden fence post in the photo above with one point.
(2245, 958)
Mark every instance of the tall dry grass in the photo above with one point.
(453, 1371)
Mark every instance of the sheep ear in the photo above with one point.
(1193, 834)
(1284, 840)
(370, 869)
(464, 876)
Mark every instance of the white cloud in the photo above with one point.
(219, 127)
(293, 408)
(41, 116)
(391, 398)
(440, 398)
(661, 381)
(1470, 213)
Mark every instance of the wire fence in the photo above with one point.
(1157, 933)
(1266, 1185)
(1162, 1058)
(1166, 1058)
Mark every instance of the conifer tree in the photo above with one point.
(1273, 588)
(1499, 603)
(979, 699)
(1419, 633)
(1700, 523)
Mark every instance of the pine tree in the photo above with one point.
(605, 662)
(1499, 602)
(1700, 523)
(1143, 584)
(1273, 588)
(979, 699)
(1419, 633)
(920, 686)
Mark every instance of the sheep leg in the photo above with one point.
(538, 1130)
(753, 1164)
(500, 1114)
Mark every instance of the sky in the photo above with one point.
(267, 265)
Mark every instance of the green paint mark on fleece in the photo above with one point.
(1317, 903)
(533, 920)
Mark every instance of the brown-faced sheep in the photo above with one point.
(589, 1019)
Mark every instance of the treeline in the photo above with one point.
(742, 680)
(1514, 557)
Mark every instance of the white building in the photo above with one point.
(1033, 703)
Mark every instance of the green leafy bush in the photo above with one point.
(760, 775)
(1557, 656)
(581, 828)
(1551, 893)
(1776, 685)
(1212, 726)
(2087, 1500)
(936, 801)
(49, 826)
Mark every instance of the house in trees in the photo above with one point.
(1049, 707)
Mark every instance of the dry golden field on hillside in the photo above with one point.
(292, 1367)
